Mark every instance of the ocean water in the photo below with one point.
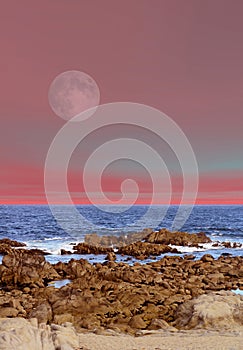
(36, 226)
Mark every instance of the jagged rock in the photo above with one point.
(111, 256)
(7, 245)
(38, 251)
(231, 244)
(65, 252)
(111, 294)
(11, 243)
(207, 258)
(116, 241)
(145, 249)
(84, 248)
(23, 268)
(5, 249)
(177, 238)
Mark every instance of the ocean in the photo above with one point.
(36, 226)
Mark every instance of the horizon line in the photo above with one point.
(135, 204)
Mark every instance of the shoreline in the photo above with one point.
(27, 335)
(174, 297)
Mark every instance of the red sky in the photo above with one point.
(184, 58)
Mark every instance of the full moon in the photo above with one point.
(73, 92)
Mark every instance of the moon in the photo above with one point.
(73, 92)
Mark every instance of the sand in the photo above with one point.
(187, 340)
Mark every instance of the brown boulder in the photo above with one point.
(11, 243)
(7, 245)
(5, 249)
(137, 322)
(145, 249)
(23, 268)
(8, 312)
(207, 258)
(177, 238)
(111, 256)
(65, 252)
(116, 241)
(84, 248)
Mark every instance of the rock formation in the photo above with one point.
(217, 311)
(177, 238)
(24, 268)
(22, 334)
(117, 295)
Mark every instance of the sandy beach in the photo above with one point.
(21, 334)
(196, 340)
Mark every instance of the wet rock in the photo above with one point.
(111, 256)
(7, 245)
(145, 249)
(207, 258)
(11, 243)
(116, 241)
(65, 252)
(5, 249)
(231, 245)
(84, 248)
(189, 257)
(38, 251)
(177, 238)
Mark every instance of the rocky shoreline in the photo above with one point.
(160, 295)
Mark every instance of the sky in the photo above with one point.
(184, 58)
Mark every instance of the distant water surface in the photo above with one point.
(35, 225)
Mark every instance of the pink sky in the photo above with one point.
(184, 58)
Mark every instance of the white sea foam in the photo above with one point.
(203, 247)
(52, 247)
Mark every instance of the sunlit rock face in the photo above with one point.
(219, 310)
(21, 334)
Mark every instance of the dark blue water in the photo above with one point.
(35, 225)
